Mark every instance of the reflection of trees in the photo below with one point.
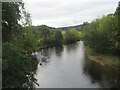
(45, 52)
(44, 55)
(93, 70)
(104, 75)
(58, 50)
(72, 47)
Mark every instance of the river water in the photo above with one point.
(67, 67)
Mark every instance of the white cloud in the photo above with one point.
(58, 13)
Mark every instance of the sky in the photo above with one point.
(63, 13)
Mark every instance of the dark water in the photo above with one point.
(67, 67)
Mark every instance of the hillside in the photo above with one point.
(77, 27)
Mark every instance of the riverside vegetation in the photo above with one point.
(19, 40)
(102, 38)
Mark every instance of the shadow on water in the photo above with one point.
(105, 76)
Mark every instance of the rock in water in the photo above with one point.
(40, 63)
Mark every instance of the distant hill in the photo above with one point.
(77, 27)
(44, 26)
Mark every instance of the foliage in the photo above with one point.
(102, 35)
(47, 36)
(58, 37)
(71, 36)
(26, 41)
(17, 70)
(11, 14)
(115, 34)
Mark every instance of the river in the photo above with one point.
(68, 67)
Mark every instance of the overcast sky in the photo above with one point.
(62, 13)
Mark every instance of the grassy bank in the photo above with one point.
(103, 59)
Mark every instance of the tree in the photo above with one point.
(103, 35)
(11, 14)
(16, 68)
(27, 42)
(116, 32)
(71, 36)
(44, 32)
(58, 37)
(27, 21)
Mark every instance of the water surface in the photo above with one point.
(67, 67)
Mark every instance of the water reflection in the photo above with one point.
(71, 47)
(105, 76)
(58, 50)
(45, 52)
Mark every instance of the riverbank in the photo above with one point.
(49, 46)
(103, 59)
